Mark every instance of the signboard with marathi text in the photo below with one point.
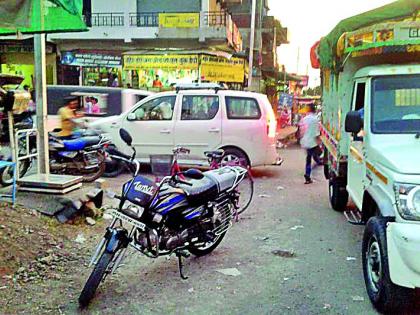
(213, 68)
(81, 59)
(135, 62)
(181, 20)
(222, 70)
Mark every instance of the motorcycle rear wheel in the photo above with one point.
(246, 192)
(95, 279)
(208, 248)
(94, 176)
(99, 170)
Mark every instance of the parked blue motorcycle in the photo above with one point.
(189, 212)
(84, 156)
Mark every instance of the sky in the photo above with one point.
(307, 21)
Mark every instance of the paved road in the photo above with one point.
(318, 280)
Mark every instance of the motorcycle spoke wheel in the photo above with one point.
(6, 176)
(206, 248)
(246, 192)
(98, 274)
(94, 175)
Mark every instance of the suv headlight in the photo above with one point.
(408, 201)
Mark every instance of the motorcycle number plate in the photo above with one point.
(118, 215)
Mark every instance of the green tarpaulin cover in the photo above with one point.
(15, 13)
(395, 10)
(35, 16)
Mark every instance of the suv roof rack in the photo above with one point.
(199, 86)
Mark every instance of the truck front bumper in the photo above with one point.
(403, 241)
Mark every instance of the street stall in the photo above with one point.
(143, 69)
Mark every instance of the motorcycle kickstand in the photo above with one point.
(180, 265)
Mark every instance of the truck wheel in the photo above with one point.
(338, 194)
(384, 295)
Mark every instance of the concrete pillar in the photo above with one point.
(205, 5)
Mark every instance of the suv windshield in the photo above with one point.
(396, 104)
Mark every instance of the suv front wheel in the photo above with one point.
(384, 295)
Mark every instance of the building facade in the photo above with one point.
(145, 27)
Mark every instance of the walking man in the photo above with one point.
(310, 140)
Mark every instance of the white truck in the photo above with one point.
(371, 134)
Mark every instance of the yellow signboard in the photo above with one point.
(213, 68)
(182, 20)
(222, 69)
(135, 62)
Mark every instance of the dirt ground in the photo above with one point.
(35, 249)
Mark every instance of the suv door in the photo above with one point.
(356, 161)
(199, 125)
(152, 126)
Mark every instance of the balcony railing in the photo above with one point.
(105, 19)
(144, 19)
(216, 18)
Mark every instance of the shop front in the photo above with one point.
(90, 68)
(163, 71)
(17, 58)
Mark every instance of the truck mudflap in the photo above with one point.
(403, 242)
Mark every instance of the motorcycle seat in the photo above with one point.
(201, 191)
(225, 177)
(91, 140)
(80, 143)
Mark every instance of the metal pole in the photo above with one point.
(297, 60)
(251, 42)
(41, 102)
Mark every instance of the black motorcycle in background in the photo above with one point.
(189, 212)
(117, 162)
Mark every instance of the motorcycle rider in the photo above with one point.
(68, 115)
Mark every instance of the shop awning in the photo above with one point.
(41, 16)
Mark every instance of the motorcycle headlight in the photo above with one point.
(408, 201)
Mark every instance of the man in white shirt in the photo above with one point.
(310, 140)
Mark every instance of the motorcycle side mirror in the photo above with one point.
(193, 173)
(125, 136)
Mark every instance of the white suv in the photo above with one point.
(241, 123)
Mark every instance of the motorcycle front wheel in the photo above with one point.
(95, 278)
